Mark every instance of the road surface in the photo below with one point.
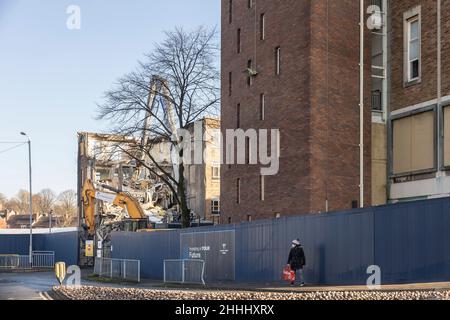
(26, 286)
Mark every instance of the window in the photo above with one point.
(250, 4)
(277, 215)
(215, 206)
(238, 191)
(239, 41)
(277, 61)
(249, 218)
(230, 83)
(262, 107)
(230, 11)
(247, 150)
(262, 187)
(229, 220)
(413, 144)
(376, 100)
(413, 49)
(412, 36)
(238, 116)
(215, 171)
(262, 27)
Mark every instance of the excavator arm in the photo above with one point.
(121, 199)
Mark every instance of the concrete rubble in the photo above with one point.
(103, 293)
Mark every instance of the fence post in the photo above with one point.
(111, 270)
(182, 271)
(124, 269)
(139, 270)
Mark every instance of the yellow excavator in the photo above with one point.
(137, 220)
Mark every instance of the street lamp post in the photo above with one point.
(31, 200)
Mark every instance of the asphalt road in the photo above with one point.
(26, 286)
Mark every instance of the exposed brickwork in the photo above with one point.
(314, 103)
(445, 48)
(426, 90)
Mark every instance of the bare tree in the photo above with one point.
(177, 85)
(21, 202)
(67, 207)
(2, 199)
(44, 201)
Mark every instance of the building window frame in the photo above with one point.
(262, 26)
(238, 40)
(262, 107)
(215, 206)
(409, 18)
(230, 11)
(278, 60)
(215, 171)
(262, 187)
(238, 190)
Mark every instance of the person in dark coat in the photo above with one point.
(297, 260)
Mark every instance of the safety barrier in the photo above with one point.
(40, 260)
(184, 271)
(122, 269)
(9, 261)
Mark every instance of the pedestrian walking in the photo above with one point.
(297, 261)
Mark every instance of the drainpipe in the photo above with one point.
(439, 87)
(361, 106)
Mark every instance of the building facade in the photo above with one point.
(294, 66)
(419, 100)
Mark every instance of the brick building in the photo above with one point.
(306, 55)
(419, 99)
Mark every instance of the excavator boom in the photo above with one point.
(121, 199)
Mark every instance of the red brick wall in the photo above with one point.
(318, 118)
(402, 96)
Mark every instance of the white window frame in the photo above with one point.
(215, 203)
(263, 26)
(278, 61)
(263, 188)
(215, 175)
(411, 16)
(263, 106)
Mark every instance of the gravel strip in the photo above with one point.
(103, 293)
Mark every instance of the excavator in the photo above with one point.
(136, 220)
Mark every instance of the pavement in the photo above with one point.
(38, 285)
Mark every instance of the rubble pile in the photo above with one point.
(104, 293)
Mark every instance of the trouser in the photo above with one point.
(298, 276)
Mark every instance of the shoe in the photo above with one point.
(292, 284)
(302, 284)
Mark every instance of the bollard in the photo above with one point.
(60, 271)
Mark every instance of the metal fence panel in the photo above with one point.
(123, 269)
(190, 271)
(9, 261)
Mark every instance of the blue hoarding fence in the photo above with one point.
(410, 242)
(63, 244)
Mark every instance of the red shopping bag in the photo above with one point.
(288, 274)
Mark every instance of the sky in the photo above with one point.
(51, 77)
